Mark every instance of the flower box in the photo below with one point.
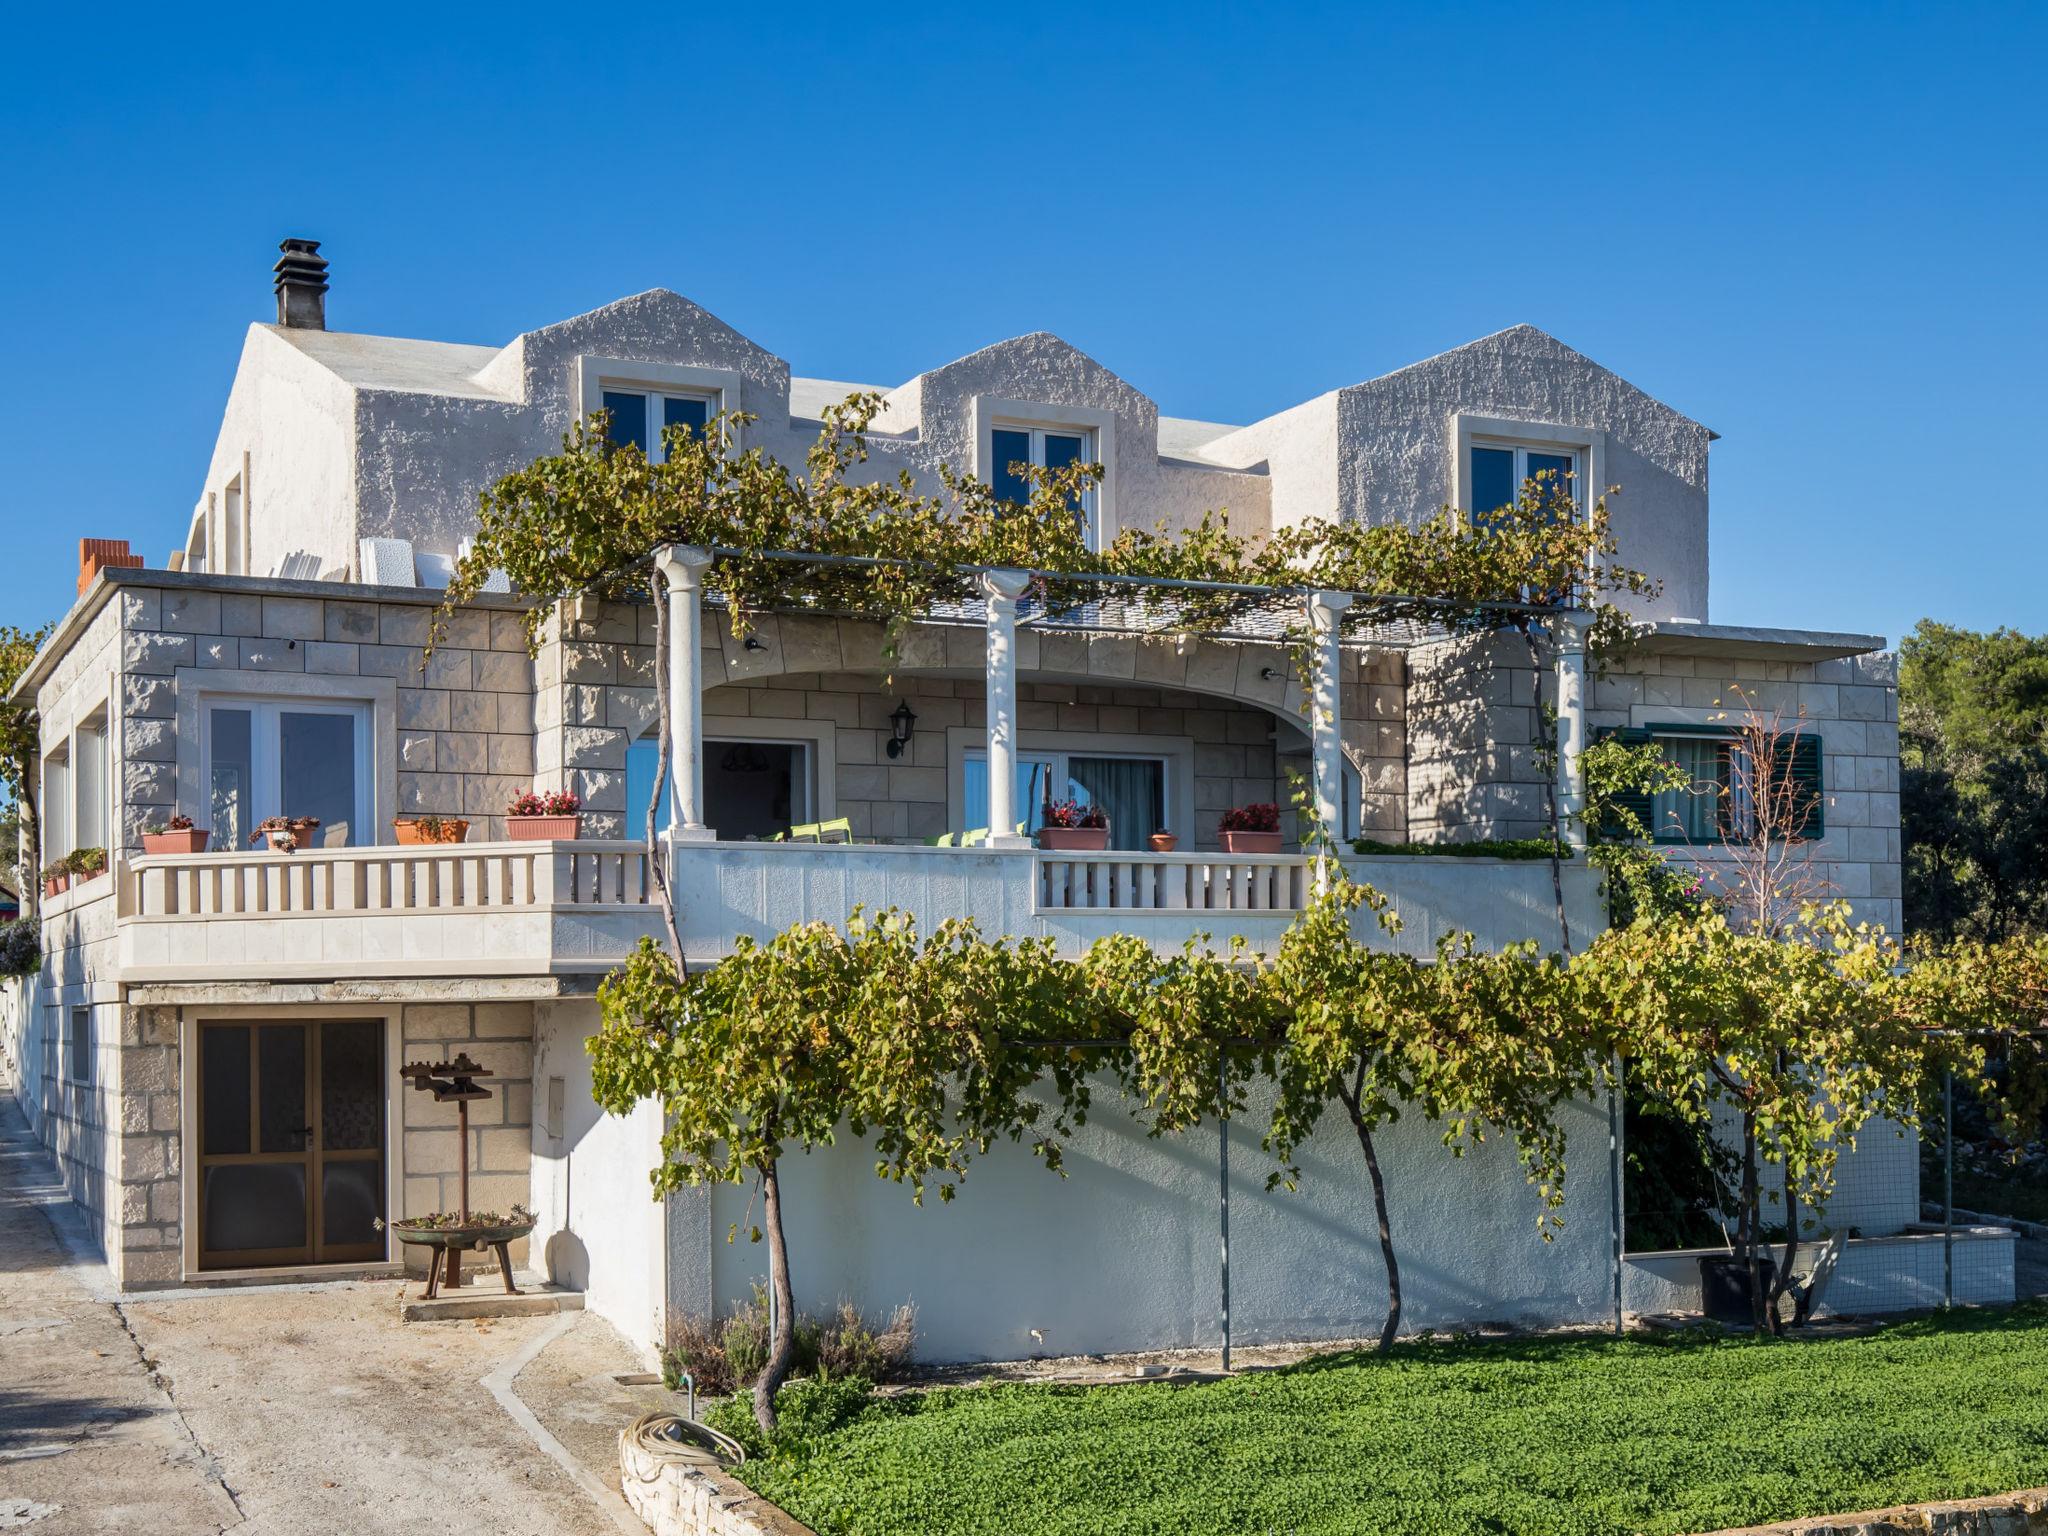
(543, 829)
(1250, 842)
(56, 885)
(1073, 839)
(414, 830)
(185, 840)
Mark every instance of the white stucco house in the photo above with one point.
(213, 1045)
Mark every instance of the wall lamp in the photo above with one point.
(901, 722)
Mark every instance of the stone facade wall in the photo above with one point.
(1474, 771)
(150, 1250)
(464, 724)
(498, 1036)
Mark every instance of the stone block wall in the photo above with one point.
(465, 720)
(498, 1036)
(1474, 771)
(151, 1192)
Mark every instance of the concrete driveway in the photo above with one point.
(299, 1409)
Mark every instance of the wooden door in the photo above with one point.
(291, 1142)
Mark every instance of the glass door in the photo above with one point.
(291, 1143)
(267, 758)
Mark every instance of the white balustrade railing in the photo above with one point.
(428, 877)
(1172, 882)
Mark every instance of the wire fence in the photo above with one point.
(1955, 1214)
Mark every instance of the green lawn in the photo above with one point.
(1549, 1436)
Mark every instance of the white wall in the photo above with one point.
(599, 1230)
(1122, 1254)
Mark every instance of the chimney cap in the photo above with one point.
(301, 284)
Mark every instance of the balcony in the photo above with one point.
(451, 909)
(577, 908)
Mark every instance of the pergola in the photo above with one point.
(1145, 606)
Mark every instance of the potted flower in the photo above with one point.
(177, 835)
(86, 864)
(430, 829)
(536, 817)
(1251, 828)
(56, 876)
(1163, 841)
(285, 834)
(1074, 828)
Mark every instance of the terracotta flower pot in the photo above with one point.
(543, 829)
(1073, 839)
(55, 885)
(1163, 842)
(410, 831)
(1250, 842)
(190, 840)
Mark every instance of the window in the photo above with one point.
(298, 758)
(640, 417)
(57, 805)
(234, 530)
(752, 789)
(1721, 804)
(78, 1048)
(1046, 448)
(89, 798)
(1497, 471)
(1130, 790)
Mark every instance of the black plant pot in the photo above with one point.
(1724, 1287)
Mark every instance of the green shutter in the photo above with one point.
(1810, 798)
(1613, 828)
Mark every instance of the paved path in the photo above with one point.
(274, 1411)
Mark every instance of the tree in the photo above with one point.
(1798, 1037)
(1477, 1043)
(785, 1044)
(19, 736)
(1973, 724)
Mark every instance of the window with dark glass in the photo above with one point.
(640, 417)
(1496, 474)
(1011, 448)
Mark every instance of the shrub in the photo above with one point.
(1486, 848)
(86, 861)
(175, 824)
(724, 1356)
(1263, 816)
(1071, 813)
(21, 948)
(555, 802)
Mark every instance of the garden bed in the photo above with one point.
(1656, 1434)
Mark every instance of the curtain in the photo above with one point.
(1130, 791)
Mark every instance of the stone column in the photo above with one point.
(683, 565)
(1003, 588)
(1571, 725)
(1325, 714)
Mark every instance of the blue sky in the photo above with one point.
(1817, 230)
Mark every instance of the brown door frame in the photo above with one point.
(313, 1156)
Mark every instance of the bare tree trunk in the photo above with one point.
(1750, 1230)
(1564, 927)
(658, 866)
(782, 1341)
(1379, 1207)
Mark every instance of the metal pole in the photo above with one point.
(1615, 1230)
(1948, 1188)
(1223, 1193)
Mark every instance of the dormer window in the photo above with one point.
(1497, 471)
(642, 417)
(1011, 446)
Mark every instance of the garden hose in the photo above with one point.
(668, 1437)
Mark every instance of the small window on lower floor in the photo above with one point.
(1729, 798)
(78, 1048)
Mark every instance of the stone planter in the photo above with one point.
(543, 829)
(411, 831)
(189, 840)
(1250, 842)
(1073, 839)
